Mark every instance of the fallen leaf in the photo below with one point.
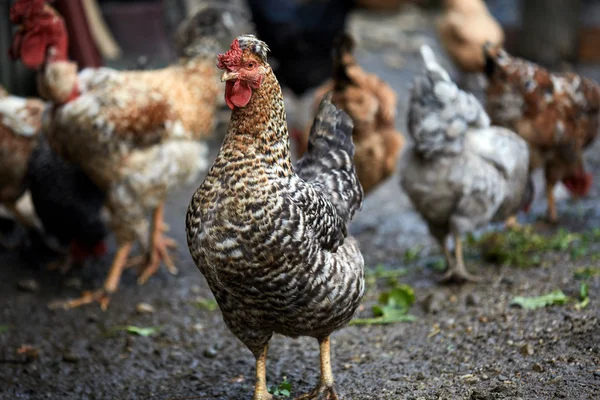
(136, 330)
(556, 297)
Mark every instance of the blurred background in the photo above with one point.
(131, 34)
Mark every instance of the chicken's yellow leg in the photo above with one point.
(159, 245)
(260, 386)
(552, 214)
(325, 390)
(457, 271)
(110, 286)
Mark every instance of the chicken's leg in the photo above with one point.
(325, 390)
(260, 386)
(111, 283)
(552, 214)
(159, 248)
(457, 271)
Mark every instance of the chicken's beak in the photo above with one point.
(227, 76)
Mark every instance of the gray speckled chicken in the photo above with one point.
(271, 239)
(461, 172)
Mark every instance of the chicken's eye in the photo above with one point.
(250, 65)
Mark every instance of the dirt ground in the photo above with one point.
(467, 342)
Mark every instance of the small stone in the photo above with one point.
(556, 379)
(502, 378)
(73, 283)
(433, 303)
(144, 308)
(28, 285)
(71, 356)
(420, 376)
(211, 352)
(471, 299)
(597, 373)
(537, 367)
(198, 327)
(527, 350)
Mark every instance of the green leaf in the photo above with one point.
(584, 291)
(206, 304)
(393, 307)
(556, 297)
(283, 389)
(135, 330)
(4, 328)
(412, 254)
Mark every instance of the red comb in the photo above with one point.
(41, 29)
(232, 57)
(24, 10)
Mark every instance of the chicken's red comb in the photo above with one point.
(42, 28)
(24, 10)
(232, 57)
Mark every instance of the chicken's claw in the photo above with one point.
(160, 252)
(459, 276)
(322, 392)
(99, 296)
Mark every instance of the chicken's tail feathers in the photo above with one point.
(328, 164)
(331, 129)
(431, 62)
(343, 47)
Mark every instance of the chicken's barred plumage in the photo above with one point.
(272, 241)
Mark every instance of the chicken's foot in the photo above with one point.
(325, 390)
(457, 271)
(159, 250)
(102, 296)
(512, 223)
(260, 387)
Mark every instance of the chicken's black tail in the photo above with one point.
(328, 163)
(343, 48)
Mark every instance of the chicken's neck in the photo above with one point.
(260, 128)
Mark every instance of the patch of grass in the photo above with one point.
(4, 328)
(382, 272)
(393, 307)
(412, 254)
(284, 389)
(206, 304)
(136, 330)
(584, 296)
(523, 247)
(586, 272)
(556, 297)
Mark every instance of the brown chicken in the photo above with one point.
(556, 114)
(465, 26)
(372, 105)
(20, 123)
(134, 133)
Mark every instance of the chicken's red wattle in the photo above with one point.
(237, 94)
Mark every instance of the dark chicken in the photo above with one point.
(556, 114)
(271, 239)
(68, 205)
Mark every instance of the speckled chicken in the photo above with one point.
(461, 173)
(371, 103)
(556, 114)
(271, 239)
(20, 123)
(134, 133)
